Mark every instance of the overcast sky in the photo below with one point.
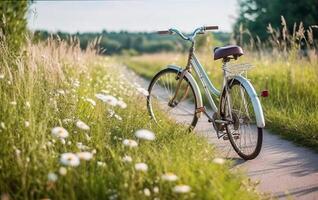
(131, 15)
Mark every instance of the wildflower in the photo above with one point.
(143, 91)
(122, 104)
(62, 171)
(85, 155)
(27, 123)
(127, 159)
(181, 189)
(130, 143)
(91, 101)
(156, 189)
(14, 103)
(111, 100)
(141, 167)
(101, 164)
(80, 124)
(219, 161)
(145, 134)
(147, 192)
(70, 159)
(1, 76)
(169, 177)
(59, 132)
(52, 177)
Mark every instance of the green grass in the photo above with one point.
(291, 110)
(50, 83)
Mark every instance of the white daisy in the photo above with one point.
(70, 159)
(62, 171)
(145, 134)
(127, 159)
(80, 124)
(52, 177)
(85, 155)
(181, 189)
(147, 192)
(130, 143)
(169, 177)
(59, 132)
(141, 167)
(219, 161)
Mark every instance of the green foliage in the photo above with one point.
(255, 15)
(13, 24)
(123, 42)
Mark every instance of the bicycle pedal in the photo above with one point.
(225, 137)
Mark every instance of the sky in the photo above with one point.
(131, 15)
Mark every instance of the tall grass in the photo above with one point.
(54, 84)
(291, 77)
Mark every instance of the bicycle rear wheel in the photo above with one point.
(161, 91)
(236, 107)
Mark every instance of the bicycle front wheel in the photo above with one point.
(243, 133)
(163, 107)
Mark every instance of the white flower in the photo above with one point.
(69, 142)
(62, 171)
(141, 167)
(169, 177)
(127, 159)
(145, 134)
(80, 124)
(130, 143)
(111, 100)
(101, 164)
(70, 159)
(1, 76)
(156, 189)
(59, 132)
(94, 151)
(91, 101)
(181, 189)
(52, 177)
(219, 161)
(62, 141)
(13, 103)
(143, 91)
(85, 155)
(122, 104)
(147, 192)
(27, 123)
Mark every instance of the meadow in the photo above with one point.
(73, 126)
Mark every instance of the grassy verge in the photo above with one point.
(291, 110)
(55, 85)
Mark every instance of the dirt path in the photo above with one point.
(282, 167)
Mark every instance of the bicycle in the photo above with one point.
(239, 116)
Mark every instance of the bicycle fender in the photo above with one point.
(260, 121)
(192, 81)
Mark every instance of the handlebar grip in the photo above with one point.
(211, 27)
(163, 32)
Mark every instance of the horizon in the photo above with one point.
(132, 16)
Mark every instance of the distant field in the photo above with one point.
(65, 119)
(291, 110)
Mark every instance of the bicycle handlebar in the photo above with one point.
(190, 37)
